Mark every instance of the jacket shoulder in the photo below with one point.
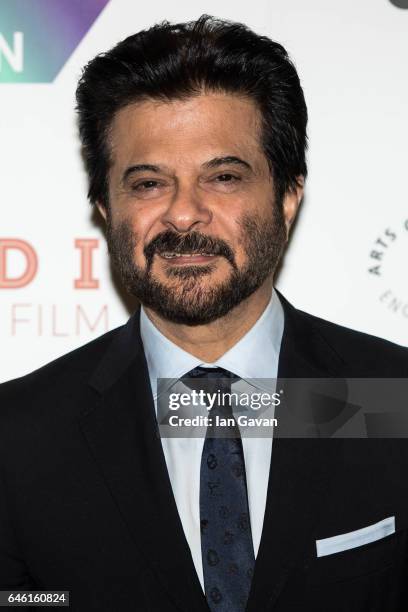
(369, 354)
(68, 371)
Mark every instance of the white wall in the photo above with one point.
(352, 59)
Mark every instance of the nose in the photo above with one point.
(187, 210)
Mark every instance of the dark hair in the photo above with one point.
(177, 61)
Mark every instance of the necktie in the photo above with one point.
(226, 539)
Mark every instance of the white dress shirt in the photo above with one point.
(254, 356)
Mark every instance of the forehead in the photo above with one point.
(197, 128)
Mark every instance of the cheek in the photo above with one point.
(147, 224)
(238, 242)
(141, 229)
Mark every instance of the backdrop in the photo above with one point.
(348, 257)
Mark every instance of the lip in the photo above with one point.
(188, 260)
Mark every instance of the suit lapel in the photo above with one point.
(300, 474)
(121, 431)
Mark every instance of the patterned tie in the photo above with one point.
(226, 539)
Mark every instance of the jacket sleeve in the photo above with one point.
(13, 571)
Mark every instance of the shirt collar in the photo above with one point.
(254, 356)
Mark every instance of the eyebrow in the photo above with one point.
(229, 159)
(140, 168)
(212, 163)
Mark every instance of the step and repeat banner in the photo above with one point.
(348, 258)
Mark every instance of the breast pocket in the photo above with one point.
(368, 578)
(358, 561)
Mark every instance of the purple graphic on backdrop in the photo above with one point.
(38, 36)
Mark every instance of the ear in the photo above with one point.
(102, 210)
(291, 203)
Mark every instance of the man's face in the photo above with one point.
(193, 226)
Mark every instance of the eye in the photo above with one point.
(227, 178)
(145, 185)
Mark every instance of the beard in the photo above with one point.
(186, 300)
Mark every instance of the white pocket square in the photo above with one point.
(352, 539)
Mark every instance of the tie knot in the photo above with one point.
(202, 372)
(214, 381)
(209, 379)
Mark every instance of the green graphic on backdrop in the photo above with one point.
(38, 36)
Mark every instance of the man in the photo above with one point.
(194, 139)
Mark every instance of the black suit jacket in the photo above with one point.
(86, 503)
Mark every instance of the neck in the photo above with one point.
(209, 342)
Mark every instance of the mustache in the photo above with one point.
(194, 242)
